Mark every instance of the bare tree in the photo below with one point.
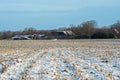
(29, 31)
(115, 28)
(88, 27)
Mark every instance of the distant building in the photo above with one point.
(38, 36)
(21, 37)
(54, 35)
(62, 34)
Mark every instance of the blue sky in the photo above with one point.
(51, 14)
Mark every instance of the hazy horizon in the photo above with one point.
(17, 15)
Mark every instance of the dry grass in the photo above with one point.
(57, 59)
(104, 47)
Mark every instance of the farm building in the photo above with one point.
(62, 34)
(54, 35)
(38, 36)
(21, 37)
(28, 37)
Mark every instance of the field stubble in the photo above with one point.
(60, 60)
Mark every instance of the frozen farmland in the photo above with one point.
(60, 60)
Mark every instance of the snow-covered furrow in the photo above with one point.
(109, 67)
(17, 68)
(10, 59)
(92, 67)
(58, 64)
(40, 68)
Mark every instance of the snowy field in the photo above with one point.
(60, 60)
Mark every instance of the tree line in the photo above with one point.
(86, 30)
